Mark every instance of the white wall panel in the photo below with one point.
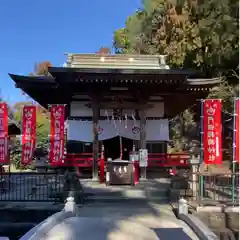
(77, 109)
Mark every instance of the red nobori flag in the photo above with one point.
(28, 134)
(212, 131)
(3, 133)
(236, 131)
(56, 152)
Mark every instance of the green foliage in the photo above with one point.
(183, 132)
(43, 126)
(226, 92)
(42, 131)
(193, 34)
(15, 154)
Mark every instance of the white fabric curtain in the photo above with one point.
(156, 130)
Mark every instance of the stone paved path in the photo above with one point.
(116, 221)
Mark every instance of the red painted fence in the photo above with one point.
(85, 160)
(168, 160)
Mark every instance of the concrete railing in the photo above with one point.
(200, 229)
(40, 230)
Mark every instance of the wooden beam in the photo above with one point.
(125, 105)
(143, 142)
(96, 113)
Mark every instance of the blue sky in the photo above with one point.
(34, 31)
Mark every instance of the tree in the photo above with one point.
(226, 92)
(104, 50)
(193, 34)
(42, 128)
(41, 69)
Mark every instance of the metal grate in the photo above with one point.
(32, 186)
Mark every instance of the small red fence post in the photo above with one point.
(102, 166)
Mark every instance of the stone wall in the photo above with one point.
(221, 223)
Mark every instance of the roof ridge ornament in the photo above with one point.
(117, 61)
(69, 59)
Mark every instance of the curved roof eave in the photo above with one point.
(124, 71)
(203, 81)
(17, 78)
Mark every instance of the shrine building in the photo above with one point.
(112, 98)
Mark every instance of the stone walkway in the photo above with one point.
(116, 221)
(150, 190)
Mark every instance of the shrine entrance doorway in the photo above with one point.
(112, 147)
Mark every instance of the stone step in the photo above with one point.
(127, 195)
(134, 201)
(148, 190)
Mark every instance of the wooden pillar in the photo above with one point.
(143, 143)
(96, 113)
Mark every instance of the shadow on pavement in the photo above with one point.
(171, 233)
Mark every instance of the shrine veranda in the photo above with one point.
(128, 98)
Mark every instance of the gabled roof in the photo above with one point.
(123, 75)
(83, 72)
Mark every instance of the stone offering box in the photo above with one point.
(120, 172)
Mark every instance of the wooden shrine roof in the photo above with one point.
(116, 61)
(61, 75)
(50, 90)
(93, 75)
(83, 72)
(43, 90)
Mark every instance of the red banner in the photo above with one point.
(28, 134)
(236, 131)
(3, 133)
(212, 131)
(56, 153)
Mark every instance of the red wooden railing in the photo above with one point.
(85, 160)
(82, 160)
(168, 160)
